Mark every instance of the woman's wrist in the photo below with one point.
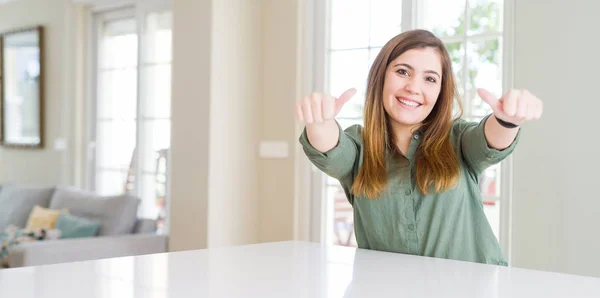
(506, 124)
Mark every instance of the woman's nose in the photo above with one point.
(412, 86)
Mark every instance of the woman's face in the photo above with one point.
(412, 85)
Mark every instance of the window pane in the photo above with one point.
(485, 16)
(115, 141)
(349, 69)
(443, 17)
(118, 44)
(492, 212)
(485, 71)
(343, 221)
(456, 51)
(157, 136)
(117, 94)
(386, 20)
(490, 182)
(158, 35)
(149, 192)
(373, 54)
(156, 90)
(116, 103)
(346, 122)
(109, 183)
(160, 190)
(330, 181)
(349, 24)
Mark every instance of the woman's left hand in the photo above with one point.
(516, 106)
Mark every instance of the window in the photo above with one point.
(132, 106)
(116, 101)
(358, 30)
(473, 33)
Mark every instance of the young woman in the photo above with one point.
(412, 172)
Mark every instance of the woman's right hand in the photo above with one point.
(318, 108)
(318, 111)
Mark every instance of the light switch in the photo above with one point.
(60, 144)
(273, 149)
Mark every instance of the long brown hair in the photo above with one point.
(436, 162)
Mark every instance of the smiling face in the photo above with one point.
(412, 86)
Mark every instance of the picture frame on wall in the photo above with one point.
(22, 88)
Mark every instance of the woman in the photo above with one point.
(412, 172)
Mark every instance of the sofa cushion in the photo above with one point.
(72, 226)
(116, 214)
(17, 201)
(42, 218)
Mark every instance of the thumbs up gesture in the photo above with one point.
(516, 106)
(318, 108)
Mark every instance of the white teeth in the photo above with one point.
(409, 103)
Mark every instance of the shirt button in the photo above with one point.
(407, 192)
(411, 227)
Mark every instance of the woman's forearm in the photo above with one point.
(323, 136)
(498, 136)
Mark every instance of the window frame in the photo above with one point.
(317, 14)
(97, 12)
(96, 17)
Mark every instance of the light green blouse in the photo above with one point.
(450, 224)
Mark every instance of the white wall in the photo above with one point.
(45, 166)
(190, 107)
(556, 207)
(251, 67)
(235, 109)
(280, 53)
(216, 110)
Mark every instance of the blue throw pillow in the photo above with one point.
(72, 226)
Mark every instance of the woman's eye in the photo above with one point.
(431, 79)
(402, 71)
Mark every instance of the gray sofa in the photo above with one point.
(121, 232)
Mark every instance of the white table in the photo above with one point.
(287, 269)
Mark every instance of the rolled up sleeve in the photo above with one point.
(477, 153)
(338, 162)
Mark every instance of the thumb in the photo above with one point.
(344, 98)
(489, 98)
